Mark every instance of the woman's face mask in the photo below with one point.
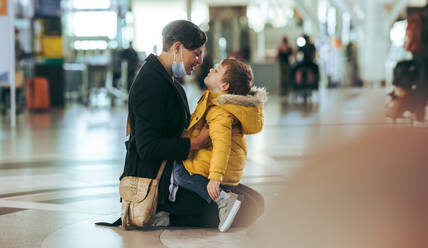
(178, 69)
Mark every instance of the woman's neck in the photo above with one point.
(166, 60)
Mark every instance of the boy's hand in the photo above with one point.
(213, 189)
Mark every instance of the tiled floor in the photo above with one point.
(59, 170)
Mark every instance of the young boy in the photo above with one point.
(231, 108)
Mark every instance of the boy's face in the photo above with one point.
(214, 80)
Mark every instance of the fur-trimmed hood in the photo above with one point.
(257, 97)
(247, 109)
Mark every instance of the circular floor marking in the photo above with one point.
(207, 238)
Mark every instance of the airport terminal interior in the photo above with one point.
(337, 115)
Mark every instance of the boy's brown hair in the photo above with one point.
(239, 76)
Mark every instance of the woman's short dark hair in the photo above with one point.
(185, 32)
(239, 76)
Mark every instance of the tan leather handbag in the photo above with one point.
(139, 197)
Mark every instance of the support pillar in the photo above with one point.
(344, 7)
(236, 35)
(374, 42)
(189, 9)
(309, 9)
(11, 19)
(398, 7)
(216, 37)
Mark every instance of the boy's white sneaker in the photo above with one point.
(227, 209)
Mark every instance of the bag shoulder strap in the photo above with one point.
(162, 167)
(128, 132)
(128, 127)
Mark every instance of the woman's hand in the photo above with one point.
(202, 140)
(213, 189)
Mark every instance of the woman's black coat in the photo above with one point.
(158, 115)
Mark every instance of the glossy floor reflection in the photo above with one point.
(59, 170)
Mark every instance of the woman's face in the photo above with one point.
(192, 58)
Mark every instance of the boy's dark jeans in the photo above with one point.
(195, 183)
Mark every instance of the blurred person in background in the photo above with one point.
(308, 50)
(130, 56)
(20, 54)
(283, 57)
(305, 74)
(352, 65)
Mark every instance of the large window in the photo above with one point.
(150, 18)
(95, 23)
(92, 4)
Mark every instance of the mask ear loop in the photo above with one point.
(181, 53)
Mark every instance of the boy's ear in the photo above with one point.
(225, 86)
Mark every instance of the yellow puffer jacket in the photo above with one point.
(229, 117)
